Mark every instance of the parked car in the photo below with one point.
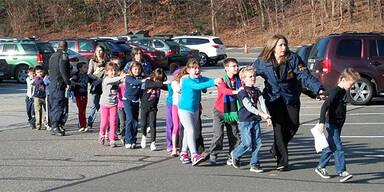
(20, 54)
(3, 68)
(188, 53)
(75, 58)
(82, 46)
(211, 48)
(116, 48)
(168, 46)
(362, 51)
(303, 52)
(155, 57)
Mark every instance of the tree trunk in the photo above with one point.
(263, 22)
(380, 10)
(276, 10)
(313, 17)
(351, 10)
(213, 19)
(125, 17)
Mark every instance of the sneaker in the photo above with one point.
(213, 159)
(57, 131)
(106, 138)
(344, 176)
(112, 144)
(185, 159)
(133, 145)
(122, 141)
(47, 127)
(143, 141)
(174, 153)
(169, 149)
(197, 159)
(81, 129)
(235, 162)
(322, 172)
(148, 130)
(229, 161)
(282, 168)
(128, 146)
(101, 140)
(256, 169)
(153, 146)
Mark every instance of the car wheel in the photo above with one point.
(21, 73)
(361, 93)
(203, 59)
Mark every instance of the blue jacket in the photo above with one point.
(132, 88)
(191, 92)
(289, 86)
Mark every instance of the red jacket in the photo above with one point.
(221, 91)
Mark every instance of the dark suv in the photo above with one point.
(362, 51)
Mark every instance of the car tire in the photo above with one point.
(21, 73)
(203, 59)
(361, 93)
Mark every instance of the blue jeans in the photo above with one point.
(250, 139)
(95, 107)
(132, 117)
(30, 111)
(335, 148)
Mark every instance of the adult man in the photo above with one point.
(59, 71)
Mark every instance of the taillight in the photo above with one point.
(74, 59)
(190, 53)
(121, 54)
(169, 52)
(39, 58)
(152, 54)
(215, 46)
(327, 65)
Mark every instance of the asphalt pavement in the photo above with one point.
(34, 160)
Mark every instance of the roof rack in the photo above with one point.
(3, 39)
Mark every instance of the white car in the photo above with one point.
(75, 58)
(211, 48)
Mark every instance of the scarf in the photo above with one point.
(231, 104)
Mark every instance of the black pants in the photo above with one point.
(285, 120)
(198, 135)
(59, 104)
(148, 117)
(30, 111)
(218, 133)
(121, 114)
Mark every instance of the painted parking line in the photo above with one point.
(348, 114)
(371, 123)
(374, 155)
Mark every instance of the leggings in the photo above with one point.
(189, 121)
(108, 116)
(175, 120)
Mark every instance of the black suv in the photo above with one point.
(362, 51)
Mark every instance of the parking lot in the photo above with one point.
(37, 161)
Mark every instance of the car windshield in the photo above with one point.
(217, 41)
(45, 48)
(320, 49)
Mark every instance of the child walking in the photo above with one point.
(108, 104)
(149, 100)
(120, 108)
(39, 97)
(249, 120)
(80, 82)
(225, 111)
(131, 100)
(178, 74)
(191, 87)
(29, 98)
(332, 117)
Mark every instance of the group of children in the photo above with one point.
(126, 93)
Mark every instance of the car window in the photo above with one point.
(54, 44)
(217, 41)
(320, 49)
(158, 44)
(10, 49)
(71, 45)
(376, 48)
(44, 48)
(85, 46)
(1, 48)
(194, 41)
(29, 48)
(349, 48)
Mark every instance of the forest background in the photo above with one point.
(236, 22)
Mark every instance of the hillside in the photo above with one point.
(239, 22)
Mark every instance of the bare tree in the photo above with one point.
(313, 10)
(380, 10)
(262, 10)
(351, 9)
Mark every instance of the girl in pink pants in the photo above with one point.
(108, 104)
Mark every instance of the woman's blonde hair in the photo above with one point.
(134, 64)
(349, 74)
(268, 52)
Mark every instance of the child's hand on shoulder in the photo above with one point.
(237, 91)
(218, 81)
(167, 82)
